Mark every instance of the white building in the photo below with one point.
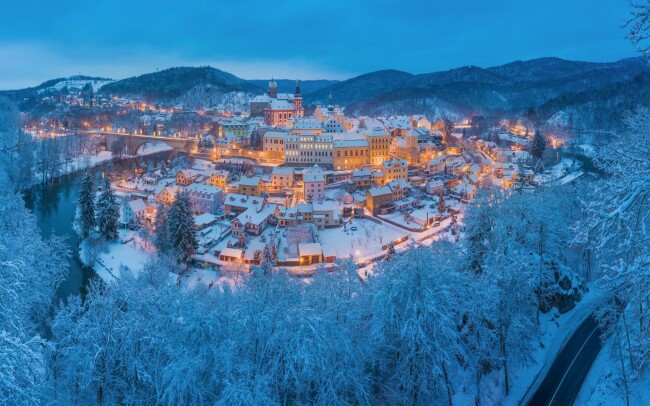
(273, 143)
(308, 149)
(204, 198)
(282, 177)
(314, 187)
(133, 211)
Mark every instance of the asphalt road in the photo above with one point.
(562, 383)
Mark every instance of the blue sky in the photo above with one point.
(337, 39)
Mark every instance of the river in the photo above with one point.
(54, 205)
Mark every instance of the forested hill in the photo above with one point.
(510, 88)
(173, 83)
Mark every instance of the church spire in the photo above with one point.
(296, 93)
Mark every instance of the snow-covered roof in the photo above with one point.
(350, 143)
(277, 104)
(326, 205)
(357, 173)
(205, 218)
(137, 205)
(313, 178)
(313, 248)
(188, 173)
(282, 170)
(379, 191)
(232, 252)
(263, 98)
(307, 125)
(275, 134)
(374, 132)
(255, 215)
(239, 200)
(394, 162)
(399, 183)
(305, 208)
(248, 181)
(203, 188)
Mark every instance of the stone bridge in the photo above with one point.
(133, 142)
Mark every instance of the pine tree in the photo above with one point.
(87, 204)
(442, 206)
(181, 228)
(241, 240)
(274, 252)
(108, 212)
(160, 236)
(390, 252)
(267, 259)
(538, 146)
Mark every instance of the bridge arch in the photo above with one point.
(134, 142)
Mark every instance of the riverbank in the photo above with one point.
(89, 161)
(54, 205)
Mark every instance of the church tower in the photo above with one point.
(273, 89)
(297, 101)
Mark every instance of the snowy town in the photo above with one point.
(424, 203)
(326, 187)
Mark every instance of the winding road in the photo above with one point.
(562, 383)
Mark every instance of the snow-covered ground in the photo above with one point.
(77, 84)
(564, 172)
(128, 250)
(365, 242)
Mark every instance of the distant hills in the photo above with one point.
(588, 94)
(547, 84)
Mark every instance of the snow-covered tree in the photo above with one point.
(413, 329)
(442, 206)
(267, 259)
(87, 204)
(30, 270)
(160, 239)
(538, 145)
(638, 25)
(618, 227)
(107, 209)
(181, 228)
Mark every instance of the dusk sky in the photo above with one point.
(333, 39)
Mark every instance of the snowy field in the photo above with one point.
(110, 257)
(365, 242)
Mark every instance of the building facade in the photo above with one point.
(394, 169)
(280, 109)
(204, 198)
(379, 146)
(308, 149)
(350, 154)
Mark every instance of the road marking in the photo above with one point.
(571, 365)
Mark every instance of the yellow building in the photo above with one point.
(220, 179)
(394, 170)
(186, 177)
(406, 147)
(250, 186)
(379, 145)
(350, 154)
(237, 128)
